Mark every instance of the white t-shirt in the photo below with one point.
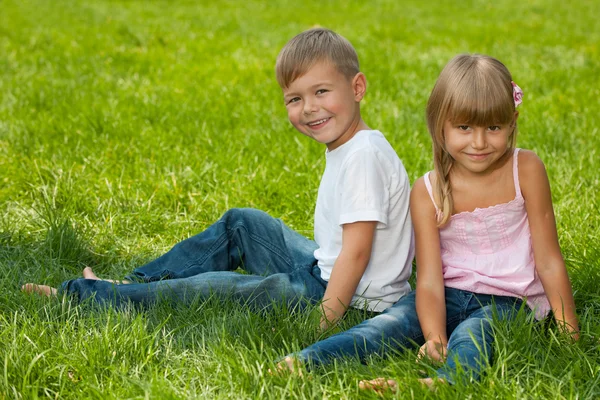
(364, 180)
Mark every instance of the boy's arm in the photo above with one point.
(430, 298)
(348, 269)
(549, 262)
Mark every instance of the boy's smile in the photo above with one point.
(325, 105)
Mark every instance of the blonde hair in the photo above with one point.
(304, 50)
(471, 89)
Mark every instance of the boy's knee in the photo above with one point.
(237, 215)
(249, 217)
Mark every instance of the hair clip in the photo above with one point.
(517, 94)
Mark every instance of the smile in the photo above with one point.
(478, 156)
(318, 123)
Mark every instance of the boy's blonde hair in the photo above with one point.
(310, 47)
(474, 90)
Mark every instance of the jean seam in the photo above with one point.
(267, 245)
(207, 254)
(465, 306)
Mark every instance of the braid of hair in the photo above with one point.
(443, 165)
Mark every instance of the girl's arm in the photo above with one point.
(348, 269)
(549, 262)
(431, 301)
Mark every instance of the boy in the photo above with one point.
(363, 247)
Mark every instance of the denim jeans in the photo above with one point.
(279, 261)
(468, 322)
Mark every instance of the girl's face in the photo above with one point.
(476, 149)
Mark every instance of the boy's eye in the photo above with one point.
(292, 100)
(321, 91)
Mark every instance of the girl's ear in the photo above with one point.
(514, 123)
(359, 86)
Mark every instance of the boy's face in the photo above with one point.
(323, 104)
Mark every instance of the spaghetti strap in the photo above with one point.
(430, 191)
(516, 174)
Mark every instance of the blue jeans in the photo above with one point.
(468, 322)
(280, 263)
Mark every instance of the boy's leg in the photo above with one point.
(281, 259)
(246, 238)
(396, 328)
(302, 286)
(470, 343)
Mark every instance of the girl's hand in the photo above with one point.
(434, 350)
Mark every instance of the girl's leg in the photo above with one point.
(246, 238)
(456, 304)
(469, 346)
(394, 329)
(471, 343)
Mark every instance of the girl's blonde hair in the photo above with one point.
(474, 90)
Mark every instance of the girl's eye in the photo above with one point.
(321, 91)
(494, 128)
(463, 127)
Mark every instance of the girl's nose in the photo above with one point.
(479, 141)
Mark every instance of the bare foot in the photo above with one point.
(379, 385)
(288, 364)
(42, 290)
(432, 383)
(89, 274)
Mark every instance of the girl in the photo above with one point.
(485, 234)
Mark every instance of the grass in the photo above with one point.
(126, 126)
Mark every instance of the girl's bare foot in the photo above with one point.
(432, 383)
(42, 290)
(379, 385)
(89, 274)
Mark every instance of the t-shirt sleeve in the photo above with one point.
(364, 189)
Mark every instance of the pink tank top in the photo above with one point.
(489, 251)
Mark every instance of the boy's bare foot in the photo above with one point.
(42, 290)
(379, 385)
(89, 274)
(288, 364)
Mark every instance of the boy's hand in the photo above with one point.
(348, 269)
(434, 350)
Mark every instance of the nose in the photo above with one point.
(310, 106)
(479, 139)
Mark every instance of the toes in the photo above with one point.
(287, 365)
(39, 289)
(378, 384)
(431, 383)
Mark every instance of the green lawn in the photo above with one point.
(126, 126)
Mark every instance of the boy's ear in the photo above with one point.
(359, 86)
